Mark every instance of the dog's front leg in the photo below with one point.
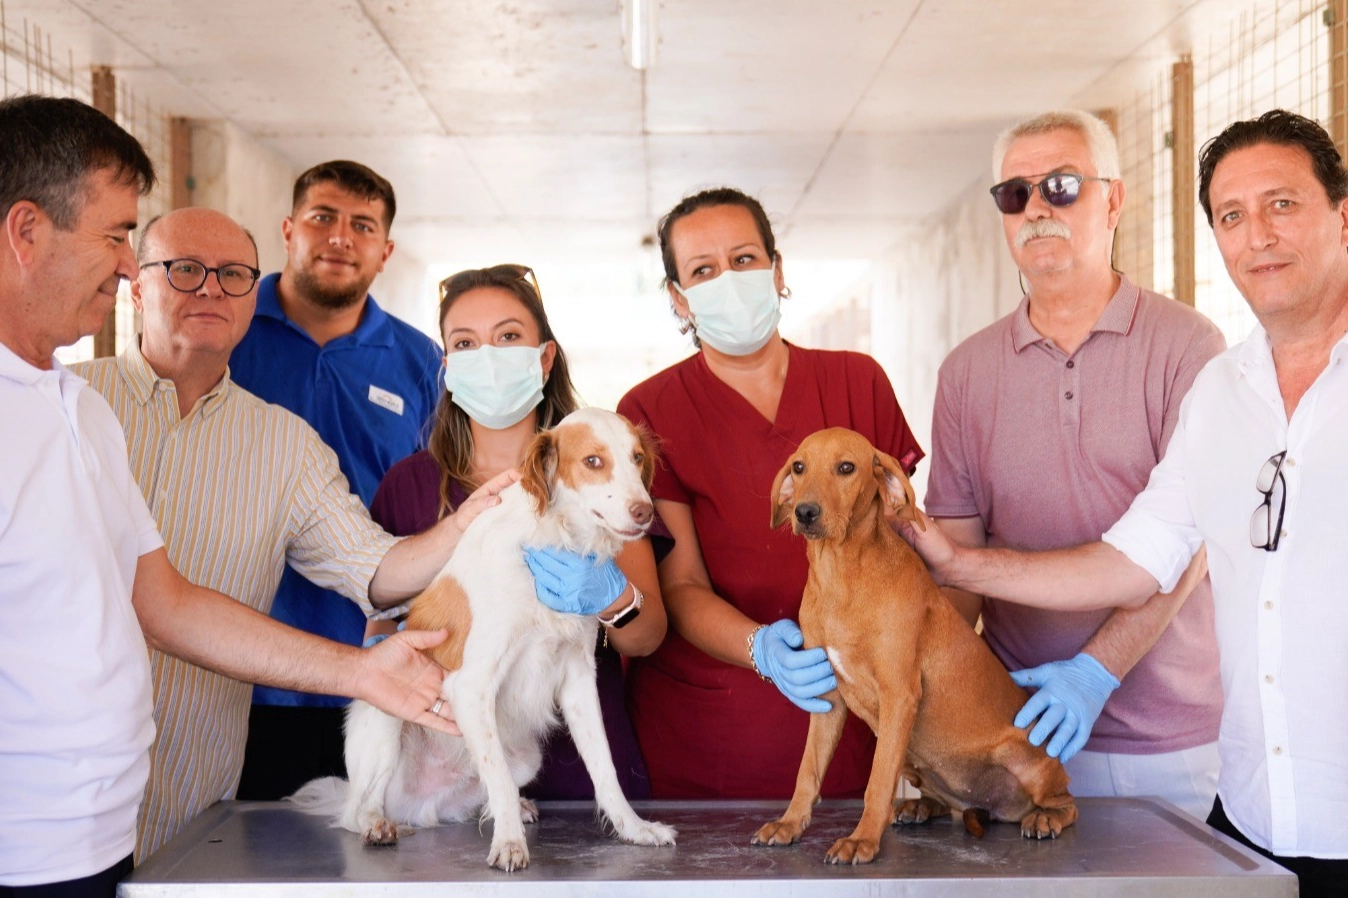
(825, 731)
(475, 709)
(579, 701)
(373, 747)
(894, 726)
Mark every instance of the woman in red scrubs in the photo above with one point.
(728, 418)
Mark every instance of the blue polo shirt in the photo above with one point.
(370, 396)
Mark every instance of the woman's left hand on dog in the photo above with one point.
(803, 675)
(569, 582)
(396, 677)
(1070, 697)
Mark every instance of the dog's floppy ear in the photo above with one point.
(539, 468)
(650, 451)
(783, 495)
(895, 490)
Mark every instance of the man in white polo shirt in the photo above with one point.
(84, 579)
(1255, 470)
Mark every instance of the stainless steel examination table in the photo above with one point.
(1133, 847)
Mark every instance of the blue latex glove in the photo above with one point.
(380, 638)
(569, 582)
(1071, 695)
(803, 675)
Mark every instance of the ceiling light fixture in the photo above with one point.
(640, 26)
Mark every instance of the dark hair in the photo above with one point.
(451, 439)
(1277, 126)
(716, 196)
(351, 177)
(53, 144)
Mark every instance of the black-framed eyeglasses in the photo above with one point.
(187, 275)
(1264, 529)
(1057, 189)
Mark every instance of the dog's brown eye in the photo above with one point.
(846, 468)
(594, 462)
(798, 467)
(638, 458)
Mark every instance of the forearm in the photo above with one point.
(643, 634)
(412, 563)
(1129, 634)
(710, 623)
(1083, 578)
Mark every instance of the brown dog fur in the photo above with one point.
(939, 702)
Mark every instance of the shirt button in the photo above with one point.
(1268, 678)
(1068, 394)
(1268, 604)
(1071, 364)
(1277, 750)
(1290, 462)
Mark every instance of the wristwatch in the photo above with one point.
(624, 616)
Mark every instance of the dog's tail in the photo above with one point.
(975, 820)
(321, 796)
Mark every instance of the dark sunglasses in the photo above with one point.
(1057, 189)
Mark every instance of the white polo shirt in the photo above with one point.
(75, 696)
(1281, 617)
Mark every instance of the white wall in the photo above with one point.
(234, 174)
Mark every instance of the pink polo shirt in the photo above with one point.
(1049, 450)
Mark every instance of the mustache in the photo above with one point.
(1041, 228)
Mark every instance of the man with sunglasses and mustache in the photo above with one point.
(320, 346)
(1267, 414)
(1046, 426)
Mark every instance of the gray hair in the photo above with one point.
(1099, 139)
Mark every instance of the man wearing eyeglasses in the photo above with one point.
(1046, 426)
(320, 346)
(1255, 472)
(238, 487)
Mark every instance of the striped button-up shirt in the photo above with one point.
(239, 488)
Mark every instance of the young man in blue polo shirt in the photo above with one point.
(321, 347)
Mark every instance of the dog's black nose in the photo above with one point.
(807, 513)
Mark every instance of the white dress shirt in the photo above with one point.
(75, 726)
(1281, 617)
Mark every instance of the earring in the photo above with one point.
(785, 294)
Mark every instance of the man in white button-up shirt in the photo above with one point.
(1257, 470)
(85, 582)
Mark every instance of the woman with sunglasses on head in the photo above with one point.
(506, 379)
(728, 417)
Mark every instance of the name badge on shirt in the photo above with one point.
(390, 401)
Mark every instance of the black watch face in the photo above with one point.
(625, 617)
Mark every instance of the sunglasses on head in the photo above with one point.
(1057, 189)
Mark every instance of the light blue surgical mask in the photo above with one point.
(736, 312)
(496, 385)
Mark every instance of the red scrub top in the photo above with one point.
(708, 728)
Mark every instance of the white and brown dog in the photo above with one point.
(512, 661)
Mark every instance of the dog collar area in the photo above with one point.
(624, 616)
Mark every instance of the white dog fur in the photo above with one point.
(584, 488)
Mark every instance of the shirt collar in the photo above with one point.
(1116, 318)
(141, 380)
(374, 328)
(16, 368)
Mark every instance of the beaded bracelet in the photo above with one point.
(749, 642)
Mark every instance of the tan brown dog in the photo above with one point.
(939, 702)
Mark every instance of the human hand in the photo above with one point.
(398, 678)
(1070, 697)
(803, 675)
(569, 582)
(483, 498)
(931, 543)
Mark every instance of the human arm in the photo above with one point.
(723, 632)
(1072, 693)
(411, 564)
(968, 531)
(212, 630)
(1082, 578)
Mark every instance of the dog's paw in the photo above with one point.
(648, 833)
(920, 811)
(508, 855)
(852, 851)
(1046, 823)
(528, 811)
(779, 833)
(381, 832)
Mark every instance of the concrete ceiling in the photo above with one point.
(514, 128)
